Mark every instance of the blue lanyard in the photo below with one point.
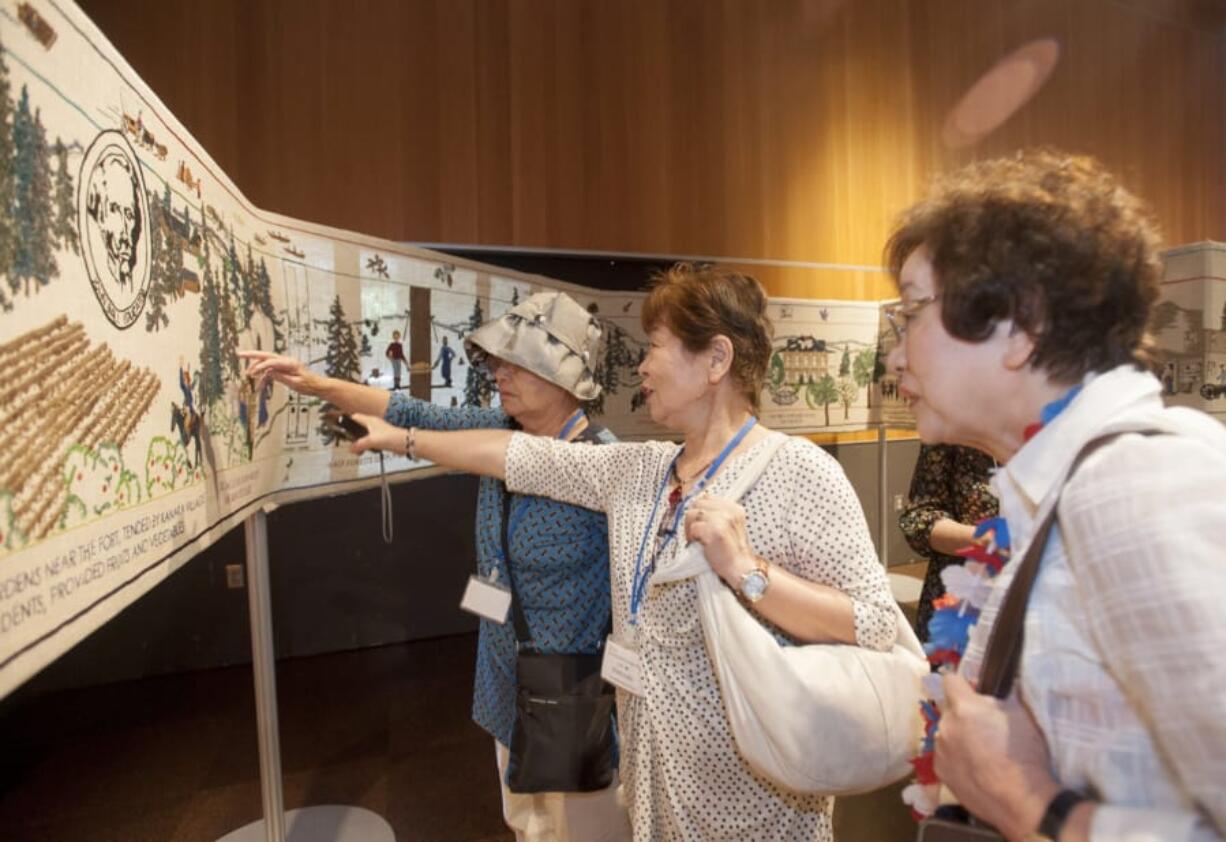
(639, 585)
(514, 522)
(570, 424)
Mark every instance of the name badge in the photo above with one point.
(620, 667)
(486, 599)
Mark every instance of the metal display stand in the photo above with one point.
(323, 823)
(883, 497)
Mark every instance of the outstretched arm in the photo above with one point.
(481, 452)
(263, 366)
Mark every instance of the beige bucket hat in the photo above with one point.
(550, 335)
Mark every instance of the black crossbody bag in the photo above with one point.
(563, 738)
(1003, 658)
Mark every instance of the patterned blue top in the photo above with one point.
(561, 558)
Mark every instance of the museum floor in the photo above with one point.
(173, 759)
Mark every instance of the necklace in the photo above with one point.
(693, 474)
(638, 587)
(674, 496)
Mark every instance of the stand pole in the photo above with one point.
(263, 662)
(883, 499)
(320, 823)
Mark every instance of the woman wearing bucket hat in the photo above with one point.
(541, 354)
(796, 548)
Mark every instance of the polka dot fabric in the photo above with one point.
(683, 777)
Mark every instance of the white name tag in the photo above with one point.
(485, 599)
(620, 667)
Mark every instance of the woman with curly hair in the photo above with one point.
(1027, 284)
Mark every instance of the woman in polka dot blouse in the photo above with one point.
(796, 547)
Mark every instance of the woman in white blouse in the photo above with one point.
(1027, 285)
(796, 547)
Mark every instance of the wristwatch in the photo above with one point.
(1056, 814)
(755, 582)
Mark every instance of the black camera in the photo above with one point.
(342, 426)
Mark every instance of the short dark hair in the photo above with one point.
(1051, 241)
(698, 302)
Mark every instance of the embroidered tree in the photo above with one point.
(848, 390)
(211, 384)
(240, 286)
(169, 235)
(159, 244)
(845, 363)
(342, 360)
(65, 202)
(863, 372)
(776, 371)
(228, 318)
(477, 386)
(259, 293)
(33, 260)
(8, 232)
(261, 297)
(618, 364)
(822, 393)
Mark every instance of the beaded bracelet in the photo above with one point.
(410, 443)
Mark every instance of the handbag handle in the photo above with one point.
(1002, 660)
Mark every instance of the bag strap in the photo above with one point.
(590, 434)
(691, 561)
(517, 611)
(1002, 660)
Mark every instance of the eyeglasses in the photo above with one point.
(493, 364)
(899, 314)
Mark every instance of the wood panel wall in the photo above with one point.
(780, 129)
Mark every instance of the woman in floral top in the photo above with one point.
(949, 495)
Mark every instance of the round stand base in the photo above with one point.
(324, 823)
